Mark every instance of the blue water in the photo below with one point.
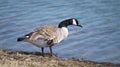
(98, 40)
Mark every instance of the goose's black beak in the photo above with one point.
(20, 39)
(80, 26)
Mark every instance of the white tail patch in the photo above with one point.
(74, 22)
(27, 36)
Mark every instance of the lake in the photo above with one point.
(98, 40)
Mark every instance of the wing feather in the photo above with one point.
(47, 32)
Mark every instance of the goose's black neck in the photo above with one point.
(65, 23)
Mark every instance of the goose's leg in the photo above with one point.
(51, 50)
(42, 51)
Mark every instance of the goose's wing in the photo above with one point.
(47, 32)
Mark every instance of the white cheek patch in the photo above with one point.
(74, 22)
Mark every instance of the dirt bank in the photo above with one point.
(11, 58)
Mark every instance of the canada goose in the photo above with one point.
(49, 35)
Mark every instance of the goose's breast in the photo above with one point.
(62, 34)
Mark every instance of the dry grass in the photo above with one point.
(10, 58)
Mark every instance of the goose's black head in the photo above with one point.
(68, 22)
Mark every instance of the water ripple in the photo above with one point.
(98, 39)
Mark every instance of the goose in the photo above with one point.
(49, 35)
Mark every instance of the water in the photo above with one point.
(98, 40)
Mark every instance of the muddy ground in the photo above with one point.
(12, 58)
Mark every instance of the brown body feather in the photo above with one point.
(47, 32)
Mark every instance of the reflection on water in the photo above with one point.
(98, 40)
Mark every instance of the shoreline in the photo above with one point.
(12, 58)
